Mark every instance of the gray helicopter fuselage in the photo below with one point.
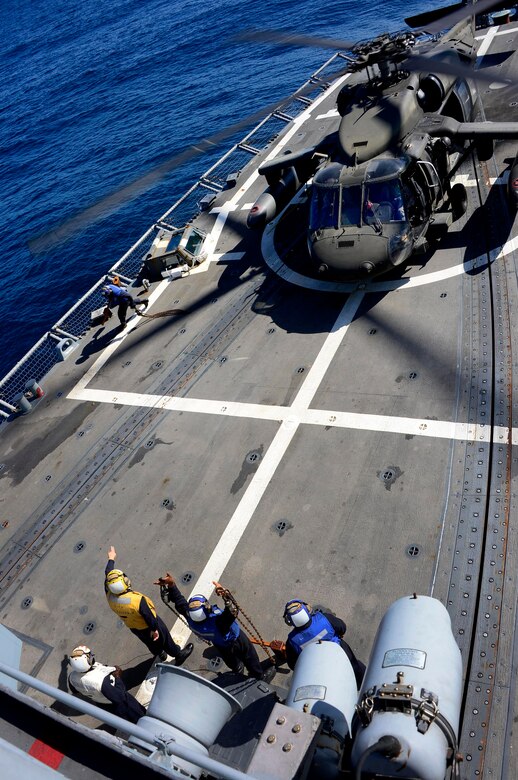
(393, 207)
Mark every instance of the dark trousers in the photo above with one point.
(121, 311)
(164, 641)
(241, 651)
(123, 307)
(123, 703)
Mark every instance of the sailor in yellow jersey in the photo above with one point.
(139, 614)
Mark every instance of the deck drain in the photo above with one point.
(26, 603)
(89, 627)
(214, 663)
(443, 295)
(223, 359)
(281, 526)
(149, 444)
(214, 300)
(300, 369)
(81, 434)
(127, 363)
(372, 331)
(412, 375)
(181, 331)
(48, 477)
(253, 456)
(387, 475)
(167, 502)
(158, 364)
(79, 547)
(413, 550)
(187, 577)
(270, 331)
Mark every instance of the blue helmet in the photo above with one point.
(297, 613)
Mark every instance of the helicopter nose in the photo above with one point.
(353, 256)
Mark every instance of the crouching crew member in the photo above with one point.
(119, 296)
(313, 626)
(102, 684)
(139, 614)
(219, 626)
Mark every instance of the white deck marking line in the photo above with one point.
(415, 426)
(487, 40)
(507, 31)
(274, 454)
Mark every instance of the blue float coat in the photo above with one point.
(219, 627)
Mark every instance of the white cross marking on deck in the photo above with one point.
(299, 412)
(290, 418)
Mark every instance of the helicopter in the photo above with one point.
(380, 188)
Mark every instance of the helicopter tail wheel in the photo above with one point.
(458, 200)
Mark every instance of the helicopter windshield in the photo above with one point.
(325, 198)
(351, 206)
(383, 202)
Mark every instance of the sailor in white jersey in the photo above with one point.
(105, 685)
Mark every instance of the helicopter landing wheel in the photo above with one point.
(458, 200)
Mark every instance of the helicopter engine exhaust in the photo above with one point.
(273, 199)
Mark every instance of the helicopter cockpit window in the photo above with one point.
(383, 202)
(351, 206)
(386, 168)
(325, 198)
(325, 202)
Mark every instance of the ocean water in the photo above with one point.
(94, 94)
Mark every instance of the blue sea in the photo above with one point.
(96, 93)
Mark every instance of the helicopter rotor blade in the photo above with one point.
(294, 39)
(427, 17)
(459, 12)
(63, 231)
(422, 63)
(458, 15)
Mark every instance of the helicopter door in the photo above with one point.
(420, 194)
(431, 177)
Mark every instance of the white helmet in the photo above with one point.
(81, 659)
(297, 613)
(198, 608)
(117, 582)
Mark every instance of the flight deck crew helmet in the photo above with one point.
(81, 659)
(117, 582)
(198, 608)
(297, 613)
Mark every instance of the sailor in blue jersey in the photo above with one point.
(310, 626)
(119, 296)
(219, 626)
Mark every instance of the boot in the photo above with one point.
(184, 654)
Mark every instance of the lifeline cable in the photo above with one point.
(166, 313)
(260, 641)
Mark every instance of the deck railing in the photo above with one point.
(45, 354)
